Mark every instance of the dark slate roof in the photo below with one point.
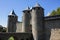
(12, 13)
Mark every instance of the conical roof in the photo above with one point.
(27, 9)
(37, 5)
(12, 13)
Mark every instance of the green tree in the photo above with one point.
(2, 29)
(58, 11)
(55, 12)
(11, 38)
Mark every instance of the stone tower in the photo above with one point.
(37, 22)
(12, 20)
(26, 20)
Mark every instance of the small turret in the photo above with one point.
(12, 20)
(26, 20)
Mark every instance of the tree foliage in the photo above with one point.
(11, 38)
(2, 29)
(55, 12)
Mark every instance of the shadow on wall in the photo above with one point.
(16, 36)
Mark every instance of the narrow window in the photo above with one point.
(22, 39)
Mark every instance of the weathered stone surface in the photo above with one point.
(43, 28)
(12, 20)
(17, 36)
(26, 20)
(52, 28)
(37, 23)
(19, 27)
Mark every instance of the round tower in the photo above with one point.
(26, 20)
(12, 20)
(37, 22)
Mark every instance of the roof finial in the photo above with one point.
(28, 8)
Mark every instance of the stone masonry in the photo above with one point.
(34, 26)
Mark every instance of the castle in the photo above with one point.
(34, 25)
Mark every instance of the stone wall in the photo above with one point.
(17, 36)
(52, 27)
(19, 27)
